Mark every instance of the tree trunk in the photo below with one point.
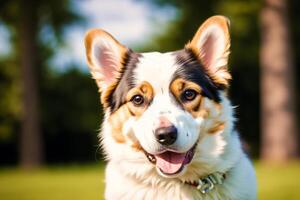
(31, 148)
(278, 112)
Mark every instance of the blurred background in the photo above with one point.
(50, 111)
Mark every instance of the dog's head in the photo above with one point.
(170, 106)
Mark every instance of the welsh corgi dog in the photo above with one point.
(168, 130)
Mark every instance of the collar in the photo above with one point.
(208, 183)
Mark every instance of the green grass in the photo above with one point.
(278, 182)
(56, 183)
(86, 182)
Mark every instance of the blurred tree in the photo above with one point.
(31, 146)
(70, 117)
(26, 20)
(279, 129)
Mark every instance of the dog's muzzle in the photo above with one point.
(170, 162)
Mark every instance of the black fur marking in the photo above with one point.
(117, 97)
(191, 69)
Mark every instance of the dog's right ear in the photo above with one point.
(104, 56)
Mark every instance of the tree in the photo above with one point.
(31, 146)
(26, 19)
(278, 113)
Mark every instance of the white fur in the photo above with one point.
(157, 69)
(129, 175)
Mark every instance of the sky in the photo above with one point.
(4, 38)
(131, 22)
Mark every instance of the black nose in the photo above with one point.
(166, 135)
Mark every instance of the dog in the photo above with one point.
(168, 130)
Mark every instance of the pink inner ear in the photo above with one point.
(108, 63)
(208, 50)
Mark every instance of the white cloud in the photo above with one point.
(129, 21)
(5, 46)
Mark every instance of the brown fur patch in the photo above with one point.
(137, 146)
(134, 142)
(105, 94)
(146, 91)
(117, 120)
(204, 113)
(219, 126)
(195, 106)
(119, 117)
(218, 106)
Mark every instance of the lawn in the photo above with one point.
(278, 182)
(86, 182)
(54, 183)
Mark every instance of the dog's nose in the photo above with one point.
(166, 135)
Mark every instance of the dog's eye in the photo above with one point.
(137, 100)
(189, 95)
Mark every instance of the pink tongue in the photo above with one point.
(170, 162)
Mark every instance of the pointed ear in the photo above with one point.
(104, 56)
(211, 44)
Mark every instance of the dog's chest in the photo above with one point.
(178, 192)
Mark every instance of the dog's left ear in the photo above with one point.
(211, 44)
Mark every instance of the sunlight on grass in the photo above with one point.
(278, 182)
(57, 183)
(86, 182)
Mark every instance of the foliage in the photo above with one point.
(71, 115)
(68, 101)
(9, 101)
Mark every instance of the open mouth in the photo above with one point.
(169, 162)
